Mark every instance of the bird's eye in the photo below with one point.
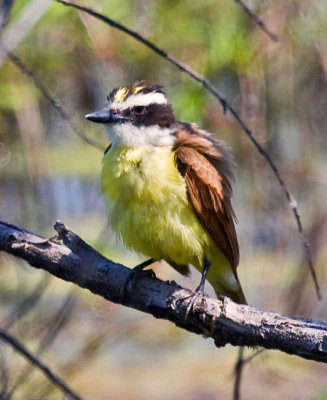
(139, 109)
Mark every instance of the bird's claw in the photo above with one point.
(135, 273)
(195, 298)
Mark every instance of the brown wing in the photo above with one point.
(206, 166)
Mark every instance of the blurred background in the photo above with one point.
(47, 172)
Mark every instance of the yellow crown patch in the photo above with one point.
(120, 94)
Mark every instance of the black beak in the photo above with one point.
(105, 116)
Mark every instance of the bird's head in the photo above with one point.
(136, 115)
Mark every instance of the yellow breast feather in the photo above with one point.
(148, 206)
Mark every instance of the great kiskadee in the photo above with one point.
(168, 187)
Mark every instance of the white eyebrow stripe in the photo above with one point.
(140, 100)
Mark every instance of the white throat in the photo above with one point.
(128, 135)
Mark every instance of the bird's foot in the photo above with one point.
(195, 298)
(137, 271)
(199, 292)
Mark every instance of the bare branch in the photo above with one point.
(223, 321)
(238, 374)
(257, 20)
(19, 29)
(58, 321)
(54, 101)
(226, 107)
(38, 364)
(239, 366)
(25, 304)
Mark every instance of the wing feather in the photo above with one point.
(206, 166)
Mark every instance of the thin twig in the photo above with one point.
(54, 101)
(38, 364)
(226, 107)
(257, 20)
(57, 323)
(26, 304)
(239, 365)
(20, 27)
(238, 374)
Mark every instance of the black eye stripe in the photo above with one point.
(152, 114)
(139, 109)
(136, 110)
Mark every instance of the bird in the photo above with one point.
(167, 186)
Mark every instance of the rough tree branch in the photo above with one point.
(224, 321)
